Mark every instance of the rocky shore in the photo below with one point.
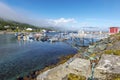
(104, 53)
(33, 75)
(107, 54)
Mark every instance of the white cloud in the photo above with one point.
(10, 13)
(6, 12)
(15, 14)
(64, 21)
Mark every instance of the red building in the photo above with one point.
(114, 30)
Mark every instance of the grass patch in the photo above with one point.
(116, 36)
(72, 76)
(114, 52)
(117, 78)
(64, 59)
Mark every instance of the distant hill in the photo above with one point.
(15, 26)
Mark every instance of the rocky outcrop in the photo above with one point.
(108, 67)
(108, 64)
(77, 66)
(116, 46)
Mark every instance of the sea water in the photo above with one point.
(18, 58)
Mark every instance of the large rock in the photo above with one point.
(80, 65)
(92, 46)
(77, 66)
(91, 50)
(116, 46)
(109, 64)
(102, 46)
(107, 40)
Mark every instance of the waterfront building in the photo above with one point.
(29, 29)
(114, 30)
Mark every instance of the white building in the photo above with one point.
(44, 30)
(29, 29)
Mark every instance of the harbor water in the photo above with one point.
(19, 58)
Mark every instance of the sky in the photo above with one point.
(64, 14)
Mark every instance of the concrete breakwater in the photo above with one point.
(108, 62)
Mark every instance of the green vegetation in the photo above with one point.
(64, 58)
(72, 76)
(115, 52)
(61, 60)
(6, 25)
(116, 36)
(117, 78)
(118, 33)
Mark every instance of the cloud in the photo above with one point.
(6, 12)
(15, 14)
(9, 13)
(63, 21)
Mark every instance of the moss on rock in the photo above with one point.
(72, 76)
(114, 52)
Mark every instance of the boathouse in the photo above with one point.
(114, 30)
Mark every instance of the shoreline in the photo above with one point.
(34, 74)
(61, 60)
(4, 32)
(102, 53)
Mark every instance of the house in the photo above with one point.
(44, 31)
(29, 29)
(114, 30)
(6, 26)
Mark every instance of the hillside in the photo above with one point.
(16, 26)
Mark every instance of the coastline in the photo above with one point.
(97, 49)
(34, 74)
(103, 53)
(61, 60)
(5, 32)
